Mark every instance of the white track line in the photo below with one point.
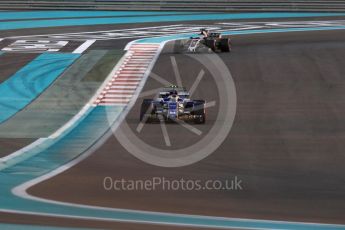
(126, 79)
(122, 87)
(122, 96)
(116, 83)
(83, 46)
(120, 74)
(123, 91)
(132, 68)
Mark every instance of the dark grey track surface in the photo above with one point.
(87, 224)
(287, 142)
(10, 145)
(11, 62)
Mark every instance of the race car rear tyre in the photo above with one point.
(199, 112)
(145, 109)
(211, 43)
(225, 45)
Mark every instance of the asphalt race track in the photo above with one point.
(269, 145)
(286, 142)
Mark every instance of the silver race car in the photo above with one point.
(173, 104)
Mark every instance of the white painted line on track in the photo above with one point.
(84, 46)
(116, 83)
(120, 100)
(142, 57)
(5, 161)
(142, 60)
(145, 57)
(144, 63)
(122, 87)
(139, 60)
(111, 104)
(121, 220)
(124, 81)
(127, 75)
(123, 91)
(132, 68)
(119, 79)
(138, 65)
(119, 96)
(132, 71)
(143, 50)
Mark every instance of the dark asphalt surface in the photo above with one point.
(286, 143)
(10, 145)
(88, 224)
(15, 61)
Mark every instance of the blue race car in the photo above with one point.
(173, 104)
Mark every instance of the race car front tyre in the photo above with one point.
(199, 112)
(145, 109)
(225, 45)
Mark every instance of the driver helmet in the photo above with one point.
(173, 93)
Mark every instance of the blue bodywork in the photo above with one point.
(172, 110)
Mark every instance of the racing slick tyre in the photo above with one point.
(199, 112)
(211, 43)
(145, 109)
(225, 45)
